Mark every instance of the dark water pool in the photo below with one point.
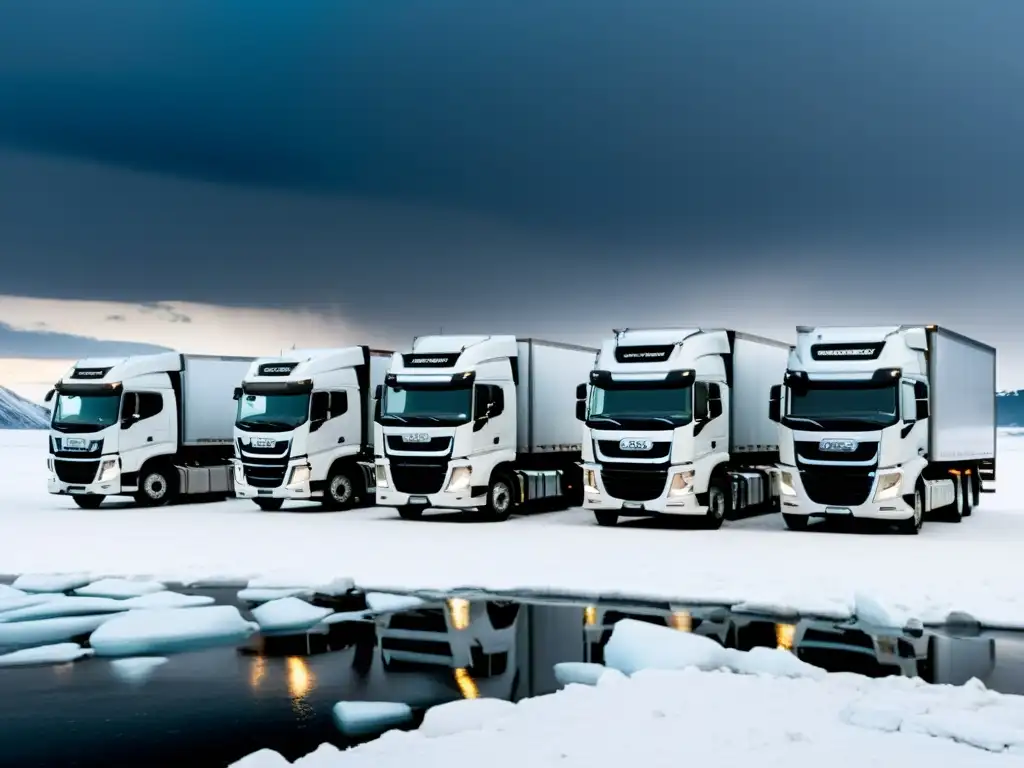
(213, 706)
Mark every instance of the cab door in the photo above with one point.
(145, 429)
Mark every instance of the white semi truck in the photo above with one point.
(677, 424)
(480, 422)
(304, 427)
(149, 426)
(886, 423)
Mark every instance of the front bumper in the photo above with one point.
(882, 503)
(671, 501)
(462, 498)
(290, 489)
(107, 481)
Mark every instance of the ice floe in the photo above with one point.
(59, 653)
(50, 582)
(170, 630)
(289, 614)
(119, 588)
(63, 605)
(362, 718)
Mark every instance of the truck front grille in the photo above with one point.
(611, 449)
(411, 475)
(264, 473)
(434, 444)
(838, 489)
(76, 472)
(634, 484)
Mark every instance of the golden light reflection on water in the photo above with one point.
(301, 681)
(590, 615)
(458, 610)
(681, 620)
(467, 686)
(257, 671)
(784, 636)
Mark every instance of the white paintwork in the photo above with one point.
(963, 385)
(743, 427)
(547, 402)
(207, 387)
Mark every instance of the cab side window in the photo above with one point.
(150, 404)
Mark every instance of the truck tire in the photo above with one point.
(968, 484)
(410, 512)
(156, 487)
(499, 499)
(912, 526)
(340, 492)
(91, 501)
(718, 505)
(795, 522)
(606, 518)
(269, 505)
(954, 513)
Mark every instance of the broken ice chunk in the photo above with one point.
(50, 582)
(289, 614)
(60, 653)
(62, 605)
(363, 718)
(119, 588)
(170, 630)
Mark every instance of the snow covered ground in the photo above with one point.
(972, 567)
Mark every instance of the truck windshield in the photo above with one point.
(85, 413)
(272, 413)
(646, 408)
(849, 408)
(421, 407)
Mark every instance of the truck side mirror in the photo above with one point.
(701, 412)
(338, 404)
(237, 394)
(775, 403)
(581, 410)
(581, 391)
(49, 395)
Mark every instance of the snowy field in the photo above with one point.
(972, 567)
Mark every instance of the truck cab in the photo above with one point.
(304, 429)
(675, 424)
(885, 423)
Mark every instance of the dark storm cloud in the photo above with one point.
(63, 346)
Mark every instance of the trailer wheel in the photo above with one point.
(968, 483)
(912, 526)
(718, 506)
(340, 492)
(410, 512)
(499, 499)
(269, 505)
(795, 522)
(156, 487)
(90, 501)
(606, 518)
(955, 511)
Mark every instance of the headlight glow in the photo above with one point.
(382, 477)
(889, 486)
(300, 474)
(682, 483)
(590, 481)
(786, 484)
(108, 470)
(460, 479)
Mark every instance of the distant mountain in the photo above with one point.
(18, 413)
(1010, 408)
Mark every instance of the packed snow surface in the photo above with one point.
(755, 562)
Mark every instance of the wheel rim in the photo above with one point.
(341, 489)
(155, 486)
(501, 497)
(717, 504)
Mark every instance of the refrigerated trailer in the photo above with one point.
(480, 422)
(676, 423)
(150, 426)
(889, 423)
(304, 427)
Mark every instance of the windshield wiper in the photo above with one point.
(806, 420)
(606, 418)
(660, 418)
(396, 416)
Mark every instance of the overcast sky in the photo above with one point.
(372, 171)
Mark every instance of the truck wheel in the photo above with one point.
(499, 499)
(605, 518)
(269, 505)
(718, 506)
(955, 511)
(968, 484)
(795, 522)
(912, 526)
(156, 487)
(92, 501)
(340, 492)
(409, 512)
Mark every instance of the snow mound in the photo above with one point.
(59, 653)
(18, 413)
(136, 670)
(582, 673)
(167, 599)
(265, 758)
(170, 630)
(289, 614)
(386, 602)
(18, 634)
(463, 715)
(637, 645)
(806, 605)
(50, 582)
(119, 589)
(362, 718)
(63, 605)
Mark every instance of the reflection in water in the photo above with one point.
(458, 611)
(257, 670)
(301, 681)
(784, 634)
(467, 686)
(590, 615)
(681, 620)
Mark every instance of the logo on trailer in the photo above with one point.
(850, 351)
(834, 445)
(648, 354)
(263, 442)
(416, 437)
(276, 369)
(634, 444)
(441, 360)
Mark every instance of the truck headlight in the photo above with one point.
(590, 481)
(460, 479)
(108, 470)
(889, 486)
(239, 473)
(382, 477)
(786, 484)
(300, 474)
(682, 483)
